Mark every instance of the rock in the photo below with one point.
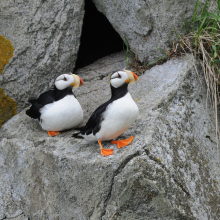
(42, 39)
(147, 25)
(20, 217)
(170, 171)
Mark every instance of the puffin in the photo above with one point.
(115, 116)
(58, 109)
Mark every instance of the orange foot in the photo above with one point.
(53, 133)
(123, 143)
(105, 152)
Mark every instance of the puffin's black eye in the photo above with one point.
(64, 78)
(119, 76)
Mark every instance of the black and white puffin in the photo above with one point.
(115, 116)
(58, 109)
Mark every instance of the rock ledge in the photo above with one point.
(170, 171)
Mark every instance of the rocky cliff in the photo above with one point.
(147, 25)
(170, 171)
(40, 39)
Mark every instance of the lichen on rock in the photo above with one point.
(8, 107)
(6, 52)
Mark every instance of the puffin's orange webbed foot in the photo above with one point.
(105, 152)
(53, 133)
(123, 143)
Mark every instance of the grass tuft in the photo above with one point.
(201, 37)
(128, 52)
(203, 41)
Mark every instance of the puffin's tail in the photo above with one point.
(83, 131)
(76, 135)
(33, 111)
(28, 112)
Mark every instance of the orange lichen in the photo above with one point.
(6, 52)
(8, 107)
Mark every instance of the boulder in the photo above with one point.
(147, 25)
(170, 171)
(41, 39)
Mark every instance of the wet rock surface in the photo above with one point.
(170, 171)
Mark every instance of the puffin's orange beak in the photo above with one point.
(81, 82)
(135, 76)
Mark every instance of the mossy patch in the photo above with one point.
(6, 52)
(8, 107)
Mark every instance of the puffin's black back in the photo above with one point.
(46, 98)
(94, 122)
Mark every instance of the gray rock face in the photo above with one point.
(45, 36)
(147, 24)
(170, 171)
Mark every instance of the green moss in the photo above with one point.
(6, 52)
(8, 107)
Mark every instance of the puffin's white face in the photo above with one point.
(66, 80)
(119, 78)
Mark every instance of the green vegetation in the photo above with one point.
(128, 52)
(161, 58)
(203, 40)
(132, 60)
(200, 37)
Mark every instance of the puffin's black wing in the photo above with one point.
(96, 118)
(44, 99)
(94, 122)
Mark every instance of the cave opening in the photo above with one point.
(98, 37)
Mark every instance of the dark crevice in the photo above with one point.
(208, 137)
(98, 38)
(116, 172)
(180, 185)
(167, 171)
(102, 77)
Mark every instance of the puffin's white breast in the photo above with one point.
(61, 115)
(118, 117)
